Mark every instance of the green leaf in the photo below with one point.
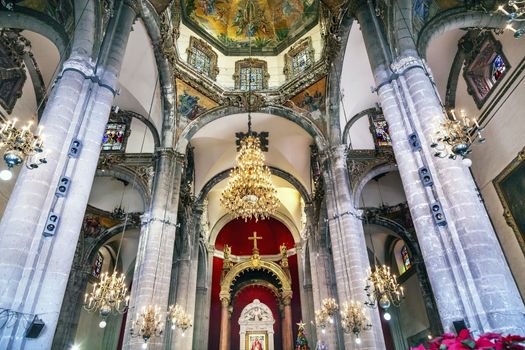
(469, 342)
(443, 347)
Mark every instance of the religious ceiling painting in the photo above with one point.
(96, 221)
(510, 186)
(269, 25)
(190, 102)
(311, 100)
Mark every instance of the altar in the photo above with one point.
(256, 324)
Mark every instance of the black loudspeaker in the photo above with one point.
(415, 144)
(63, 186)
(51, 225)
(74, 149)
(437, 214)
(459, 325)
(35, 328)
(425, 176)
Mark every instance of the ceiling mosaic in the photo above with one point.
(270, 25)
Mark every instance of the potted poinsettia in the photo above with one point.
(464, 341)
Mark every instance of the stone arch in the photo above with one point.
(221, 112)
(351, 122)
(125, 174)
(455, 19)
(361, 183)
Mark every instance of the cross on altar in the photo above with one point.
(254, 238)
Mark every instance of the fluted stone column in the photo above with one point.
(349, 249)
(34, 269)
(466, 267)
(151, 279)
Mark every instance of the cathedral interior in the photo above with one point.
(260, 174)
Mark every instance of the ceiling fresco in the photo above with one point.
(270, 25)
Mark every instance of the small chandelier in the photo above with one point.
(515, 11)
(250, 192)
(330, 307)
(108, 296)
(455, 137)
(321, 319)
(382, 288)
(148, 324)
(20, 145)
(354, 320)
(179, 318)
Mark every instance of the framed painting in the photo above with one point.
(510, 186)
(256, 341)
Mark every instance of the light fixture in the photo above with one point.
(179, 318)
(148, 324)
(321, 320)
(354, 320)
(250, 192)
(19, 146)
(108, 296)
(330, 306)
(515, 12)
(455, 137)
(382, 288)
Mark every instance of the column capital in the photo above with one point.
(336, 154)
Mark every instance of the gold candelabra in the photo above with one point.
(354, 319)
(250, 192)
(108, 296)
(456, 136)
(148, 324)
(20, 145)
(382, 288)
(514, 10)
(179, 318)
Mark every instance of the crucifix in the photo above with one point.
(254, 238)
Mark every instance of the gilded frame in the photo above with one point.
(256, 334)
(305, 44)
(254, 63)
(510, 169)
(208, 51)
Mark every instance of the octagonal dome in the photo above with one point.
(275, 25)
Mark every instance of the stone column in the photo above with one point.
(468, 272)
(34, 269)
(151, 279)
(287, 323)
(224, 342)
(349, 249)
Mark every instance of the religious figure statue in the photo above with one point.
(256, 344)
(284, 255)
(226, 264)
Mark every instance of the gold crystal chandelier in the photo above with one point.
(109, 296)
(515, 12)
(382, 288)
(20, 145)
(354, 319)
(179, 318)
(321, 319)
(148, 324)
(250, 192)
(330, 307)
(455, 137)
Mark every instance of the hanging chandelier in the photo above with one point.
(321, 319)
(330, 307)
(250, 192)
(382, 288)
(109, 296)
(148, 324)
(515, 12)
(354, 319)
(455, 137)
(179, 318)
(20, 145)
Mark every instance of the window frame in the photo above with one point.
(204, 48)
(305, 45)
(251, 63)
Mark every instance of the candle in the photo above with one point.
(476, 123)
(509, 27)
(453, 114)
(502, 9)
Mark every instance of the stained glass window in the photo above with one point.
(200, 61)
(498, 68)
(405, 257)
(251, 78)
(301, 61)
(114, 135)
(96, 269)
